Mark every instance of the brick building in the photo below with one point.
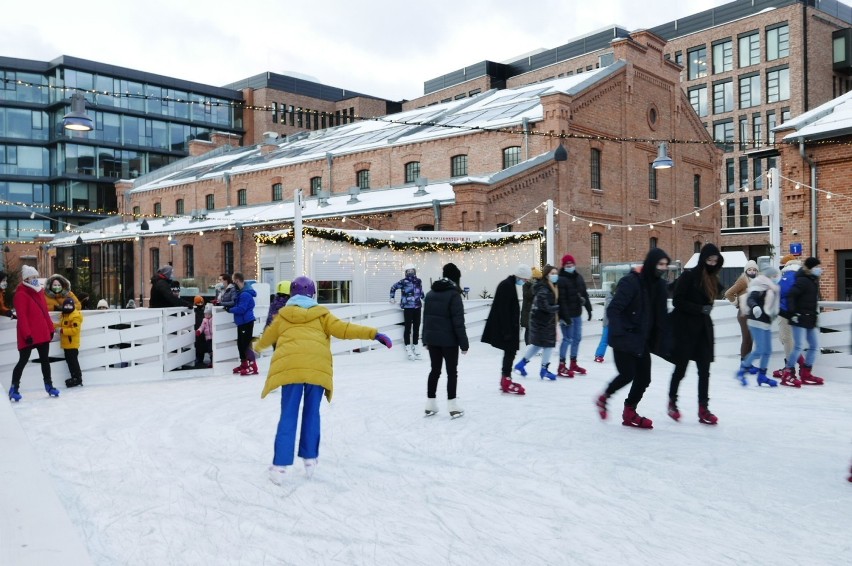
(478, 164)
(816, 200)
(747, 66)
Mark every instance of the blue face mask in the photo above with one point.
(554, 277)
(817, 271)
(570, 269)
(519, 282)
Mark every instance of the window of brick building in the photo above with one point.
(412, 171)
(696, 63)
(595, 251)
(723, 56)
(277, 192)
(696, 247)
(778, 42)
(749, 49)
(511, 156)
(770, 124)
(316, 186)
(757, 172)
(723, 96)
(653, 243)
(730, 213)
(595, 168)
(154, 254)
(458, 165)
(757, 130)
(750, 91)
(730, 182)
(696, 191)
(158, 209)
(209, 203)
(137, 211)
(188, 261)
(743, 133)
(778, 85)
(698, 99)
(744, 219)
(179, 207)
(274, 112)
(652, 182)
(362, 179)
(242, 196)
(723, 135)
(758, 219)
(744, 178)
(228, 257)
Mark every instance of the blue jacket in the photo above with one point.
(411, 292)
(243, 309)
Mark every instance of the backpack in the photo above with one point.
(788, 278)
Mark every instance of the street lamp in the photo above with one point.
(663, 161)
(77, 120)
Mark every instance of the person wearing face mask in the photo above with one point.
(70, 324)
(503, 326)
(57, 289)
(35, 331)
(692, 328)
(543, 314)
(526, 303)
(737, 294)
(761, 306)
(803, 302)
(637, 327)
(410, 301)
(4, 310)
(573, 297)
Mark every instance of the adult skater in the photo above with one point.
(637, 327)
(573, 297)
(410, 301)
(736, 295)
(503, 326)
(803, 302)
(543, 323)
(692, 328)
(761, 305)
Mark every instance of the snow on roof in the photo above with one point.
(489, 110)
(334, 206)
(732, 259)
(404, 236)
(830, 119)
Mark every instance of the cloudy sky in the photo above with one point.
(387, 49)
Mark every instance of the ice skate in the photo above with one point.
(788, 378)
(705, 416)
(673, 411)
(14, 395)
(599, 359)
(509, 386)
(250, 369)
(563, 371)
(763, 380)
(809, 378)
(278, 474)
(73, 382)
(431, 407)
(240, 367)
(310, 467)
(520, 367)
(454, 409)
(418, 354)
(600, 403)
(545, 373)
(575, 368)
(409, 352)
(629, 417)
(50, 389)
(741, 375)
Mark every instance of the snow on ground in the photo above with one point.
(174, 472)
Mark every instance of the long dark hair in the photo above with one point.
(545, 276)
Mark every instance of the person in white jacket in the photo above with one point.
(760, 305)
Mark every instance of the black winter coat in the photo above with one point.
(637, 316)
(503, 328)
(803, 299)
(543, 316)
(573, 296)
(526, 304)
(443, 316)
(692, 329)
(162, 296)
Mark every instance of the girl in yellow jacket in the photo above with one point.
(301, 332)
(69, 325)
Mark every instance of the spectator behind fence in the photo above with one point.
(161, 290)
(56, 290)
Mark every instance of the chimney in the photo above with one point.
(269, 143)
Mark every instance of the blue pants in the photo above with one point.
(533, 350)
(762, 339)
(571, 336)
(601, 351)
(799, 336)
(285, 438)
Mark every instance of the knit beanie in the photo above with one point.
(68, 305)
(166, 271)
(786, 258)
(568, 258)
(198, 300)
(29, 272)
(102, 304)
(523, 271)
(536, 273)
(452, 273)
(812, 262)
(770, 271)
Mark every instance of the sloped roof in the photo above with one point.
(490, 110)
(832, 119)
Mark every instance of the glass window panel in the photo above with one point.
(697, 62)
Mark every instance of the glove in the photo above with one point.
(464, 352)
(590, 315)
(384, 339)
(706, 309)
(795, 318)
(757, 311)
(29, 340)
(198, 333)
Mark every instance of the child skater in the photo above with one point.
(760, 305)
(70, 324)
(302, 364)
(205, 332)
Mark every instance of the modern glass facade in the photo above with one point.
(51, 177)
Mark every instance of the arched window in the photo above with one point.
(316, 185)
(158, 209)
(696, 247)
(458, 165)
(241, 197)
(511, 156)
(362, 179)
(179, 206)
(277, 192)
(595, 164)
(412, 171)
(188, 261)
(209, 203)
(653, 243)
(595, 251)
(424, 227)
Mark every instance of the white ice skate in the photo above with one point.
(431, 407)
(409, 350)
(278, 474)
(454, 409)
(418, 355)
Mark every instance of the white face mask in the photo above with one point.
(3, 285)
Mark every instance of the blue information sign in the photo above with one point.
(796, 248)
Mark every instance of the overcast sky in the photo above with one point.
(386, 49)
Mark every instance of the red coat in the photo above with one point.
(33, 319)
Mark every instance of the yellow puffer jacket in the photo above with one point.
(302, 338)
(69, 327)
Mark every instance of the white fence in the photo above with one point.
(150, 343)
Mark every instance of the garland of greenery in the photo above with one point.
(279, 238)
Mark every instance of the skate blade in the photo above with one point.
(430, 413)
(456, 415)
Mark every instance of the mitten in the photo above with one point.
(198, 332)
(590, 315)
(795, 318)
(756, 311)
(384, 339)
